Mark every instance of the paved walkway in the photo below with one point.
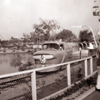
(93, 96)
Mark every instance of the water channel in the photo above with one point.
(8, 61)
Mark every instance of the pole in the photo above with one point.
(34, 92)
(68, 75)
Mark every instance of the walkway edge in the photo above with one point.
(87, 93)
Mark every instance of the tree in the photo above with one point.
(85, 35)
(25, 37)
(45, 29)
(66, 35)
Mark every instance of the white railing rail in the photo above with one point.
(33, 73)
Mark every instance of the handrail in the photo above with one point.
(16, 73)
(33, 73)
(52, 66)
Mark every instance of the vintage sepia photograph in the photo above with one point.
(49, 50)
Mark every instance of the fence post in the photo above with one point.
(33, 79)
(68, 75)
(91, 65)
(86, 71)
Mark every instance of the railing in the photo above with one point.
(88, 70)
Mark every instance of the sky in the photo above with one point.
(18, 16)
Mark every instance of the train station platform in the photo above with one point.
(93, 96)
(90, 94)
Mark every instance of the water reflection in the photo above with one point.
(9, 63)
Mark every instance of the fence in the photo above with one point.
(30, 78)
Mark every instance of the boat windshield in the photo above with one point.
(50, 46)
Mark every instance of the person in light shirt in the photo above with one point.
(90, 46)
(98, 81)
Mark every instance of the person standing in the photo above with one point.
(98, 81)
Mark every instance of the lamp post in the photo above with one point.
(90, 30)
